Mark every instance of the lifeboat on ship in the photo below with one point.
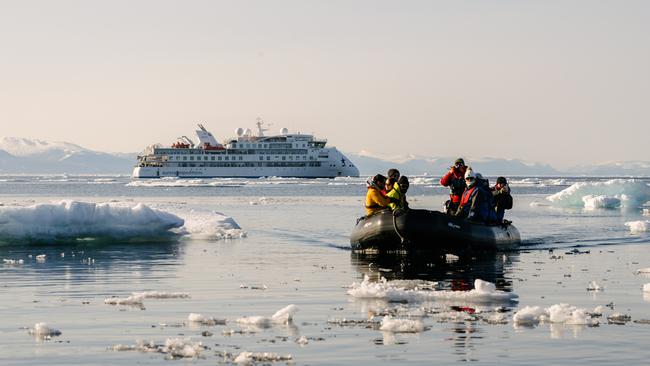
(424, 230)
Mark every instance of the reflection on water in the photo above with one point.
(458, 272)
(465, 332)
(84, 269)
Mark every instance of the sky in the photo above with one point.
(559, 82)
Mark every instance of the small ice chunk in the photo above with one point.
(162, 295)
(618, 318)
(303, 341)
(529, 315)
(640, 226)
(595, 286)
(42, 330)
(484, 287)
(390, 324)
(41, 258)
(123, 347)
(12, 262)
(646, 287)
(179, 347)
(598, 310)
(558, 313)
(567, 314)
(646, 212)
(450, 258)
(249, 358)
(131, 300)
(284, 315)
(642, 271)
(205, 320)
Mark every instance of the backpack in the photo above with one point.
(506, 202)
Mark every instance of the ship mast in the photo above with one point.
(260, 131)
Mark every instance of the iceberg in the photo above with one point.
(607, 194)
(69, 220)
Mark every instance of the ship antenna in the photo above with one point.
(260, 131)
(202, 128)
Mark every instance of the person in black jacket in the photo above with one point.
(502, 198)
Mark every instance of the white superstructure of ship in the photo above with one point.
(246, 156)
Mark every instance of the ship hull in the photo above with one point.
(243, 172)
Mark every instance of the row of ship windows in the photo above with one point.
(233, 151)
(241, 165)
(219, 158)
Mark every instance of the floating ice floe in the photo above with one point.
(74, 219)
(638, 226)
(173, 347)
(205, 320)
(390, 324)
(646, 212)
(608, 194)
(646, 287)
(642, 271)
(558, 313)
(42, 330)
(249, 358)
(136, 298)
(282, 316)
(483, 292)
(210, 225)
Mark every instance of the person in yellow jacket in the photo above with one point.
(375, 200)
(398, 193)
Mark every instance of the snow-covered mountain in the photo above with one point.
(369, 165)
(33, 156)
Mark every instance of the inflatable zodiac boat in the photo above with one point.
(424, 230)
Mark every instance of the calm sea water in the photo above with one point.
(297, 252)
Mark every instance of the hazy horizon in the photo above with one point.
(563, 83)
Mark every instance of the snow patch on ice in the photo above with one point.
(630, 193)
(483, 292)
(638, 226)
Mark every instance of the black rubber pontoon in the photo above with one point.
(426, 230)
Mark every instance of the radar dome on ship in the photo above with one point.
(284, 131)
(239, 131)
(248, 132)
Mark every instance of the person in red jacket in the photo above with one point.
(455, 180)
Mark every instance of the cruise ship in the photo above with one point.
(247, 156)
